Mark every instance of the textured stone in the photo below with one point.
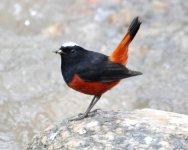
(137, 130)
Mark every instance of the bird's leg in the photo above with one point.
(93, 102)
(80, 114)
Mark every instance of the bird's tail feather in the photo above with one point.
(134, 27)
(120, 54)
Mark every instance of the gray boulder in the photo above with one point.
(137, 130)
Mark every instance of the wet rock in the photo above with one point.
(140, 129)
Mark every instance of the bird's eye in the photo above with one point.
(72, 51)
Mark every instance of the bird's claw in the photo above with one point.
(79, 117)
(80, 114)
(96, 110)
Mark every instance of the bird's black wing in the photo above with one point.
(97, 68)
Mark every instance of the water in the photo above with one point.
(33, 94)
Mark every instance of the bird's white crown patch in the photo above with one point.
(69, 44)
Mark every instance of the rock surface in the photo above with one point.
(137, 130)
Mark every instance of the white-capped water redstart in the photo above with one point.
(95, 73)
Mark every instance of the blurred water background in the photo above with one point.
(33, 94)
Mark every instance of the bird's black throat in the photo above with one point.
(68, 69)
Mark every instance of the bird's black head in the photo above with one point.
(71, 52)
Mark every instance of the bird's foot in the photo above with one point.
(79, 117)
(91, 112)
(96, 110)
(80, 114)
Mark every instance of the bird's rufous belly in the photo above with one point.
(91, 88)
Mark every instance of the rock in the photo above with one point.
(140, 129)
(53, 30)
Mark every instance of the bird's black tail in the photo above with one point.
(134, 27)
(120, 54)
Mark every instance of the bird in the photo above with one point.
(94, 73)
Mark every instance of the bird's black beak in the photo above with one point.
(58, 52)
